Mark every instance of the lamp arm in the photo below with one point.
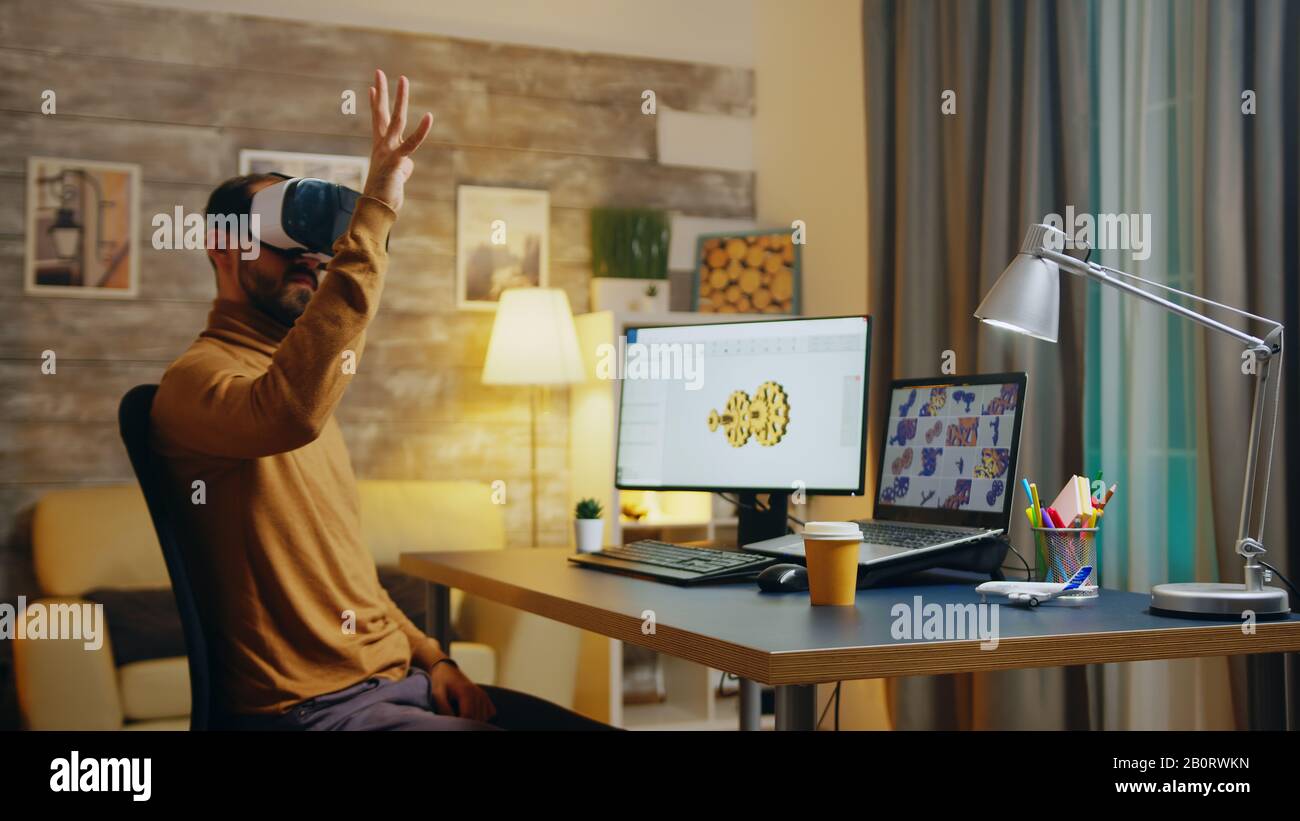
(1265, 351)
(1102, 275)
(1187, 295)
(1248, 535)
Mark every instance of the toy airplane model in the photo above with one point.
(1033, 593)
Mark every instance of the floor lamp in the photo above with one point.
(1026, 298)
(533, 344)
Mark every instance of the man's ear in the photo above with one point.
(225, 261)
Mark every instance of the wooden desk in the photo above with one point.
(779, 639)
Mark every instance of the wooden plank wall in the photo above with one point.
(180, 93)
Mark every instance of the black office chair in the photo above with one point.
(133, 420)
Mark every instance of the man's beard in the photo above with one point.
(273, 296)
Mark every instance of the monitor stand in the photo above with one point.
(756, 525)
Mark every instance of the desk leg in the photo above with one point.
(751, 704)
(1266, 691)
(437, 614)
(1293, 691)
(796, 707)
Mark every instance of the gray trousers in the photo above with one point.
(407, 704)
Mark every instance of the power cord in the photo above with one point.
(722, 679)
(835, 697)
(758, 508)
(1284, 579)
(1029, 574)
(736, 501)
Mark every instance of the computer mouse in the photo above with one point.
(781, 578)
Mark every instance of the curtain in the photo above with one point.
(1128, 107)
(949, 198)
(1244, 222)
(1144, 417)
(1168, 406)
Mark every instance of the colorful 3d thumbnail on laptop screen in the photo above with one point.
(949, 446)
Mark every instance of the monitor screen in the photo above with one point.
(763, 406)
(951, 445)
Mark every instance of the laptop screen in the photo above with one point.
(950, 450)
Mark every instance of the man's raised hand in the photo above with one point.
(390, 154)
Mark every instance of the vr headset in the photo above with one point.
(303, 215)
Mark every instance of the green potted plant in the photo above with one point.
(588, 529)
(629, 259)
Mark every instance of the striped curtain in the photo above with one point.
(1103, 107)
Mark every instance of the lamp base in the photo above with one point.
(1218, 600)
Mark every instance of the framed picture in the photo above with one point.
(502, 241)
(339, 169)
(81, 228)
(752, 272)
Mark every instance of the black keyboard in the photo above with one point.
(908, 537)
(674, 563)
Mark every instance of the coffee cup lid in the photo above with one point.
(832, 530)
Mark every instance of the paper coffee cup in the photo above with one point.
(831, 549)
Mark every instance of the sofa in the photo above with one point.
(89, 540)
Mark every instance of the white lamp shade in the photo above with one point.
(533, 340)
(65, 241)
(1026, 298)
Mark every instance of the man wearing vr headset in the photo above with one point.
(304, 635)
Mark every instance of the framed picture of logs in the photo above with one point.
(755, 272)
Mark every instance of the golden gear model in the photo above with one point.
(734, 419)
(765, 417)
(768, 414)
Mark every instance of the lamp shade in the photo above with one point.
(66, 234)
(1025, 299)
(533, 340)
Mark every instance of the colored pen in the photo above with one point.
(1057, 521)
(1109, 494)
(1029, 494)
(1038, 506)
(1048, 521)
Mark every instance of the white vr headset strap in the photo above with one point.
(268, 205)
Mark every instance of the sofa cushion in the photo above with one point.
(95, 537)
(145, 624)
(399, 516)
(158, 688)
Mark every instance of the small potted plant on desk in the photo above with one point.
(588, 529)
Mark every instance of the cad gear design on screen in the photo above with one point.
(764, 417)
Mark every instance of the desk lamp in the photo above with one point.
(1026, 299)
(533, 343)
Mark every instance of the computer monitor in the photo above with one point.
(771, 406)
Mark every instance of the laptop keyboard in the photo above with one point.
(908, 537)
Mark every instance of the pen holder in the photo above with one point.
(1061, 554)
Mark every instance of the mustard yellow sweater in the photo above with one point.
(277, 556)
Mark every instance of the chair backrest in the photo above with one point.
(133, 421)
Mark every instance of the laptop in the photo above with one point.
(947, 469)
